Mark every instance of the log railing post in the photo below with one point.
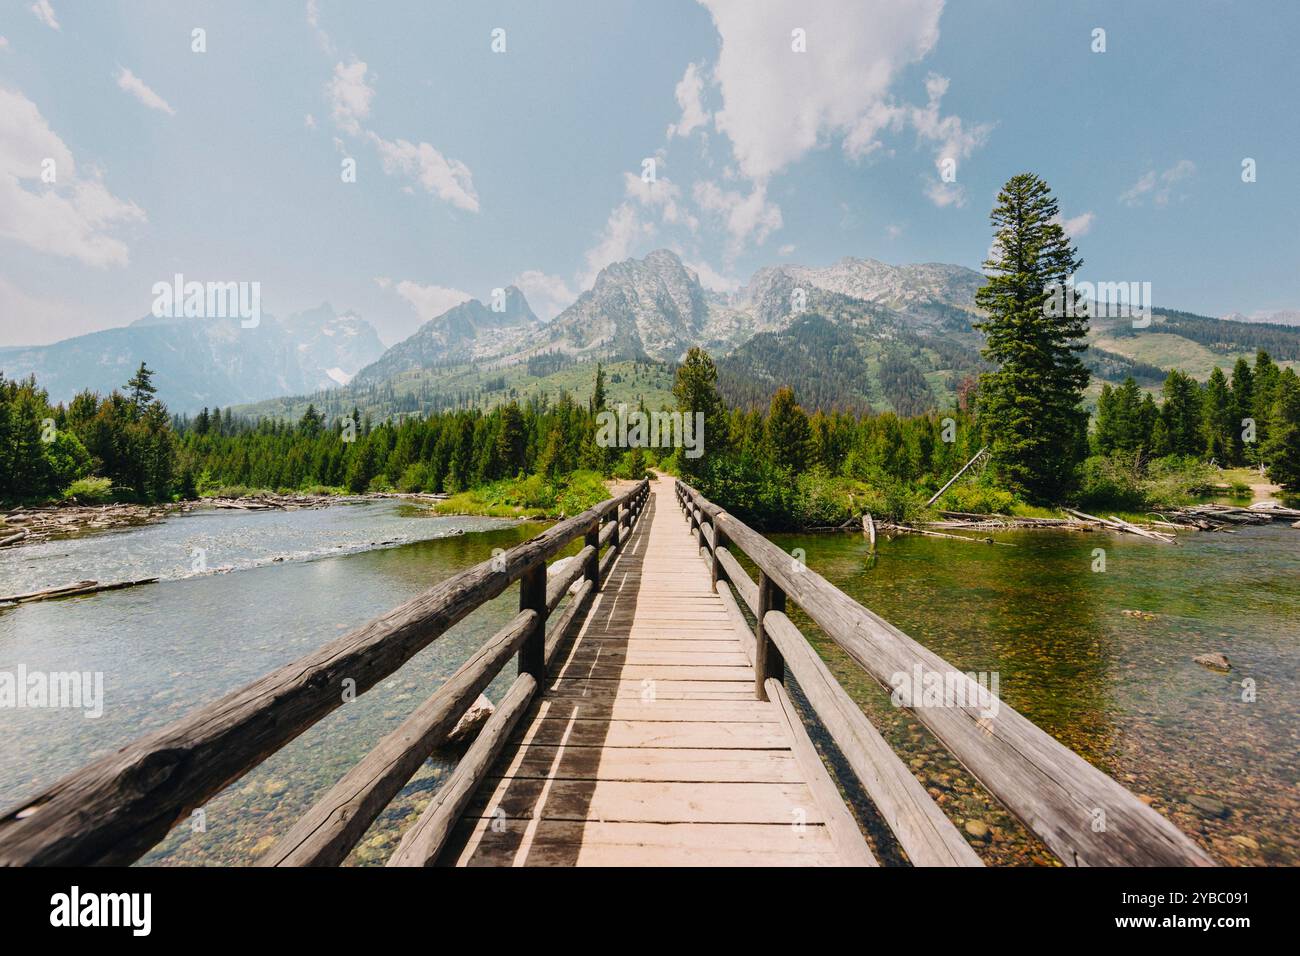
(718, 539)
(532, 597)
(592, 540)
(767, 658)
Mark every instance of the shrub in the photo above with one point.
(1111, 483)
(416, 477)
(90, 490)
(977, 498)
(1178, 480)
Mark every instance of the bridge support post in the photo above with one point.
(532, 597)
(768, 661)
(592, 540)
(718, 541)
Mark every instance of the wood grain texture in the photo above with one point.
(422, 843)
(326, 833)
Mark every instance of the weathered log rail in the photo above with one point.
(1082, 815)
(115, 809)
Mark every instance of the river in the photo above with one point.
(1102, 660)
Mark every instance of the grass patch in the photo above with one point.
(529, 497)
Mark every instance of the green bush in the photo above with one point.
(1111, 482)
(977, 498)
(1178, 480)
(531, 496)
(91, 490)
(415, 478)
(896, 502)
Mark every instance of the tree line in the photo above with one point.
(124, 441)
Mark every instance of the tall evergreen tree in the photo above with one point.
(1283, 448)
(695, 387)
(141, 389)
(1181, 416)
(1243, 408)
(1030, 409)
(788, 433)
(1217, 417)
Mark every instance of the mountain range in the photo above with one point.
(206, 362)
(855, 334)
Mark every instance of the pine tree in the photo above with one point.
(695, 386)
(511, 441)
(1217, 417)
(1181, 415)
(1030, 406)
(1243, 402)
(141, 388)
(1283, 448)
(788, 434)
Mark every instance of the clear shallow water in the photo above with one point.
(212, 541)
(167, 648)
(1120, 689)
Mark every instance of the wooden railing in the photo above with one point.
(1082, 815)
(113, 810)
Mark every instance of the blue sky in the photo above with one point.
(476, 169)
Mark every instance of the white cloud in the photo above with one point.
(778, 105)
(427, 300)
(953, 140)
(893, 231)
(787, 249)
(711, 278)
(688, 92)
(1076, 226)
(313, 21)
(746, 217)
(137, 88)
(71, 217)
(1159, 187)
(350, 95)
(4, 44)
(448, 179)
(309, 121)
(547, 295)
(952, 137)
(945, 194)
(623, 231)
(45, 13)
(662, 195)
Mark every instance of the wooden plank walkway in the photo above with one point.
(648, 746)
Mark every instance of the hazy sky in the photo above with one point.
(475, 168)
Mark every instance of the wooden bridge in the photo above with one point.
(649, 724)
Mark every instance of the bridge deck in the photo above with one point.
(648, 746)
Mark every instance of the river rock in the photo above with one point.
(978, 829)
(467, 727)
(1208, 805)
(1214, 661)
(1244, 841)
